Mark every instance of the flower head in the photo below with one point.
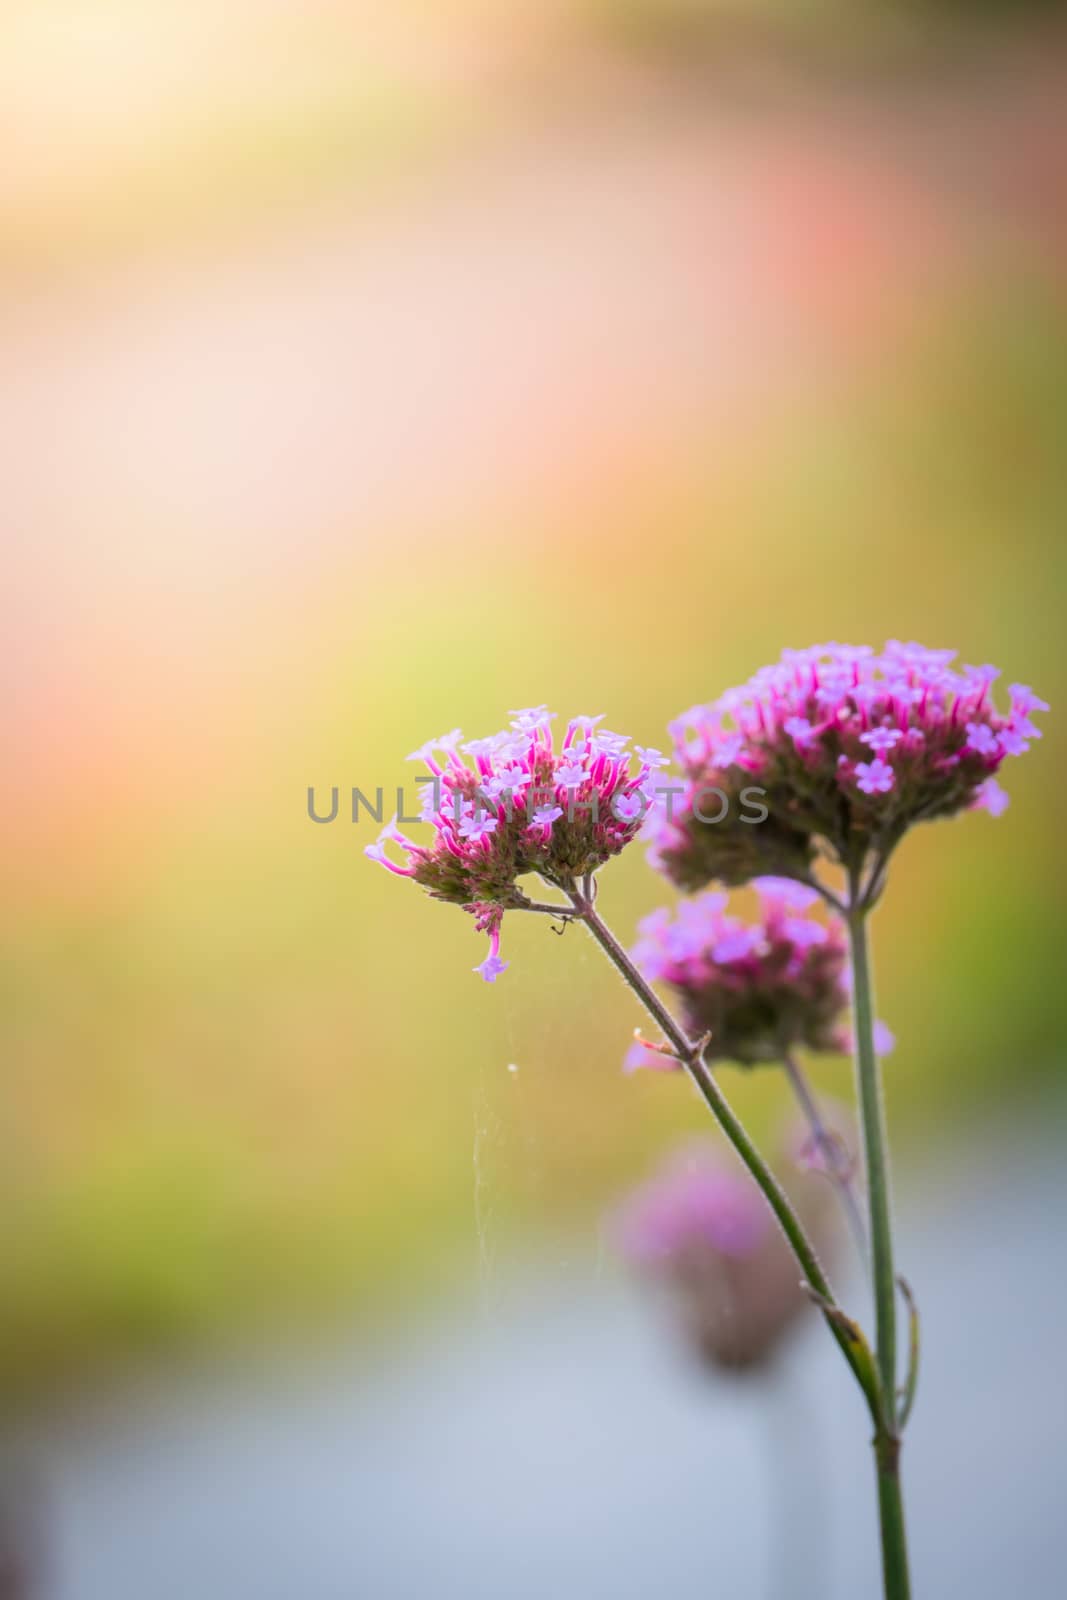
(846, 749)
(516, 805)
(760, 988)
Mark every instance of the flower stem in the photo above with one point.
(828, 1148)
(895, 1580)
(869, 1095)
(691, 1055)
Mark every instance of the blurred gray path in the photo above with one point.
(556, 1448)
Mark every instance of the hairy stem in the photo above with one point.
(691, 1055)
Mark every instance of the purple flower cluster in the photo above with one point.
(850, 748)
(693, 1202)
(516, 805)
(703, 1231)
(760, 988)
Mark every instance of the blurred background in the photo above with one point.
(371, 370)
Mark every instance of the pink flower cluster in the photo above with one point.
(849, 748)
(760, 988)
(516, 805)
(703, 1232)
(694, 1202)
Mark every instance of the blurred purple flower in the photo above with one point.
(702, 1231)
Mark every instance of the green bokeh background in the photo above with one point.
(250, 1080)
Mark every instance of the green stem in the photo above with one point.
(895, 1580)
(872, 1116)
(691, 1056)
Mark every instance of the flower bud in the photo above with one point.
(703, 1233)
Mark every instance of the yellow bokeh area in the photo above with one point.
(366, 378)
